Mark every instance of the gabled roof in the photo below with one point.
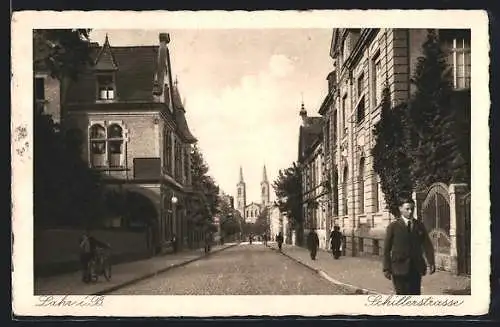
(308, 135)
(105, 59)
(134, 77)
(180, 117)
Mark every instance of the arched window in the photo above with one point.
(361, 185)
(335, 192)
(167, 148)
(344, 191)
(115, 144)
(97, 145)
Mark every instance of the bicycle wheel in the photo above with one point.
(107, 270)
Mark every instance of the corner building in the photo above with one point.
(129, 114)
(364, 60)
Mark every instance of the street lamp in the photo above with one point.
(174, 201)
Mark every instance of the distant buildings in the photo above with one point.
(335, 148)
(250, 212)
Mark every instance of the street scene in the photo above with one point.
(252, 162)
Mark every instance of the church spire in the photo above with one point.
(264, 174)
(241, 175)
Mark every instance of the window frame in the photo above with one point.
(107, 140)
(112, 76)
(376, 79)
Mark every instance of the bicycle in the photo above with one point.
(100, 265)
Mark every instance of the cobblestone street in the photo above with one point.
(241, 270)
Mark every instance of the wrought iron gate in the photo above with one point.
(436, 217)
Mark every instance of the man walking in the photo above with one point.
(279, 239)
(313, 243)
(336, 241)
(406, 243)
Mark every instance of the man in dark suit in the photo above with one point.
(406, 243)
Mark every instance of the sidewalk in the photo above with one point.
(122, 274)
(365, 274)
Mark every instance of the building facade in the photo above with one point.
(364, 61)
(47, 94)
(250, 212)
(314, 178)
(129, 112)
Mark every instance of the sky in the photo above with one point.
(243, 90)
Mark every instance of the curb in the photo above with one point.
(149, 275)
(357, 290)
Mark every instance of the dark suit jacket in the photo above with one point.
(401, 248)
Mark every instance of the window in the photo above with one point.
(334, 125)
(459, 59)
(344, 191)
(186, 165)
(327, 137)
(106, 145)
(39, 88)
(39, 93)
(360, 85)
(335, 192)
(239, 192)
(360, 111)
(361, 185)
(376, 80)
(177, 159)
(168, 151)
(344, 113)
(105, 87)
(98, 145)
(115, 142)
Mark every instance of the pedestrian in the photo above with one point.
(85, 256)
(279, 239)
(265, 239)
(313, 243)
(208, 241)
(174, 243)
(89, 246)
(406, 244)
(336, 241)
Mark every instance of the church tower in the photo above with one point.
(264, 187)
(241, 198)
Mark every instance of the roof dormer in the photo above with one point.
(105, 60)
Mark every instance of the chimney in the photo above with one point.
(162, 60)
(164, 38)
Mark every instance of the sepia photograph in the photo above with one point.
(327, 160)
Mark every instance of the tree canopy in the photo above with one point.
(206, 188)
(436, 125)
(63, 52)
(391, 153)
(288, 189)
(66, 191)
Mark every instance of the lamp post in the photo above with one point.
(174, 201)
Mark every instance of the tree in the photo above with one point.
(262, 223)
(67, 192)
(391, 154)
(205, 186)
(229, 223)
(288, 189)
(64, 52)
(437, 127)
